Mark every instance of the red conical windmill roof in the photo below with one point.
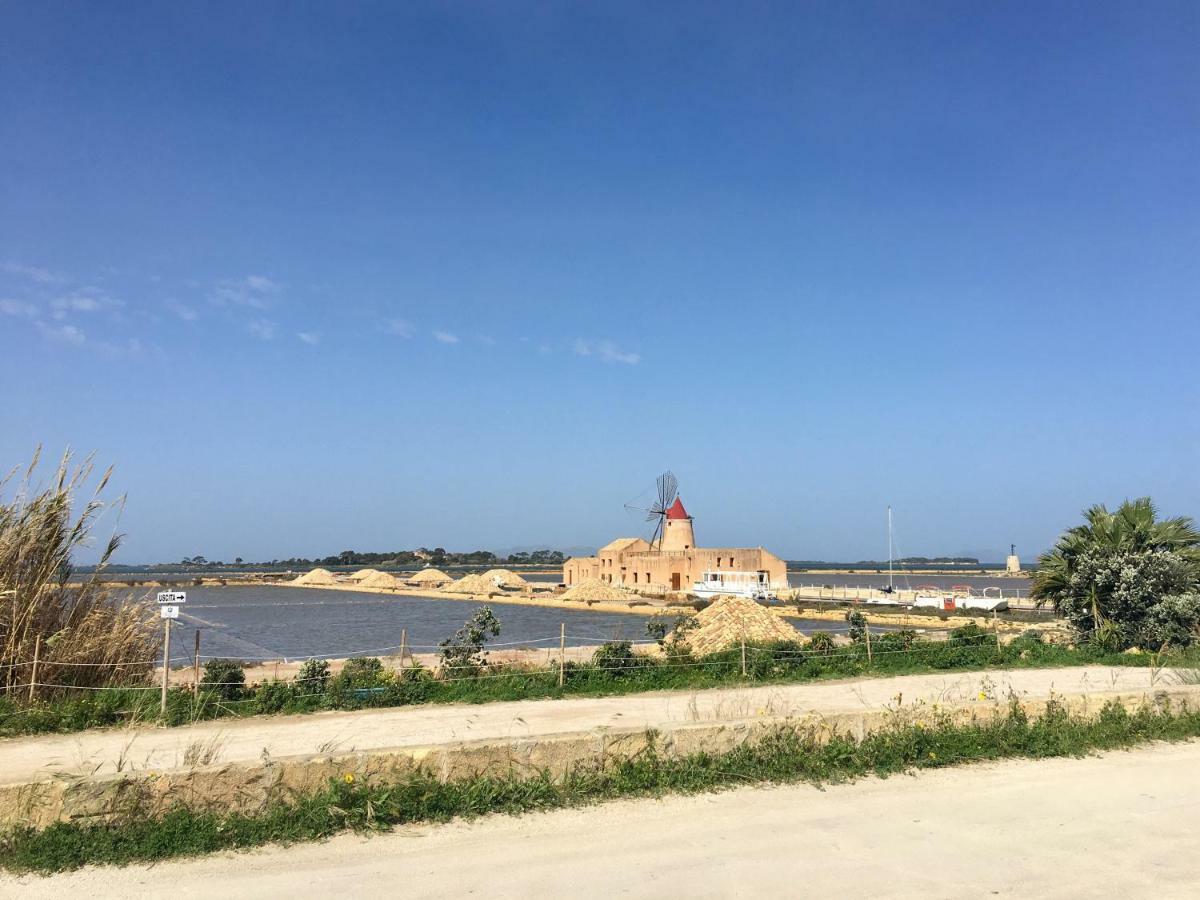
(677, 511)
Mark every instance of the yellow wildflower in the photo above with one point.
(348, 778)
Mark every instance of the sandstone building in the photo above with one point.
(674, 563)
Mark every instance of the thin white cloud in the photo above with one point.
(445, 337)
(486, 339)
(309, 337)
(399, 327)
(89, 299)
(606, 351)
(131, 347)
(262, 284)
(76, 303)
(18, 308)
(254, 291)
(68, 334)
(263, 329)
(185, 312)
(33, 273)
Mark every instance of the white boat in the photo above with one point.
(755, 585)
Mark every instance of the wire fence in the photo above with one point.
(663, 656)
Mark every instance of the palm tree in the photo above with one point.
(1133, 528)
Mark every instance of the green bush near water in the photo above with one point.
(224, 677)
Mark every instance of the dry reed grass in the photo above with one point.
(87, 636)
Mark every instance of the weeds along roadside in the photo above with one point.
(365, 682)
(353, 802)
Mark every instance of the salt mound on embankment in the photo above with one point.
(491, 581)
(322, 577)
(363, 574)
(730, 620)
(472, 584)
(506, 578)
(380, 580)
(595, 589)
(428, 578)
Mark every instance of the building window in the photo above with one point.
(731, 562)
(647, 578)
(635, 577)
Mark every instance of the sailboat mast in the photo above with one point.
(889, 549)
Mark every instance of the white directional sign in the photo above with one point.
(168, 612)
(172, 597)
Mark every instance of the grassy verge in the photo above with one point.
(617, 671)
(786, 756)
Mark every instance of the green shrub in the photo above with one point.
(224, 677)
(894, 642)
(820, 642)
(1109, 576)
(464, 649)
(313, 676)
(361, 671)
(1173, 620)
(273, 696)
(969, 635)
(616, 658)
(858, 625)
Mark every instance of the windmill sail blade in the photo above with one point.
(656, 535)
(668, 484)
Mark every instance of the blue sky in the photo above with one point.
(318, 277)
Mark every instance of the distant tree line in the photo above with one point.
(438, 556)
(875, 564)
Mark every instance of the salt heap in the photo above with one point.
(506, 578)
(491, 581)
(363, 574)
(595, 589)
(730, 620)
(321, 577)
(429, 578)
(380, 580)
(472, 584)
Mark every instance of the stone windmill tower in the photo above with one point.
(677, 533)
(672, 524)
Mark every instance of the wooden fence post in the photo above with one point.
(867, 633)
(403, 647)
(743, 654)
(562, 654)
(196, 665)
(37, 652)
(996, 628)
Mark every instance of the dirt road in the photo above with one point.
(1122, 825)
(24, 760)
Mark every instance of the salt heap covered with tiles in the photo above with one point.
(730, 620)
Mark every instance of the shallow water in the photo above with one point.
(264, 622)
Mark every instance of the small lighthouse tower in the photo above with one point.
(1013, 564)
(677, 529)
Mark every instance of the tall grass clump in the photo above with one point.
(87, 637)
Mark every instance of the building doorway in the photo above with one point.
(674, 581)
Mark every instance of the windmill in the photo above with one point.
(667, 486)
